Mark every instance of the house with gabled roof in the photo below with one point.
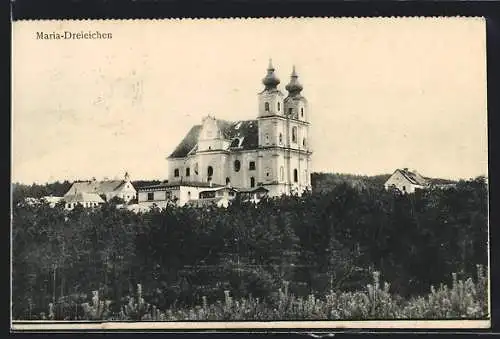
(406, 181)
(107, 189)
(271, 151)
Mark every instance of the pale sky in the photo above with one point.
(383, 93)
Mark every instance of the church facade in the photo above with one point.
(271, 151)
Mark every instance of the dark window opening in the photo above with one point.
(151, 196)
(188, 172)
(251, 166)
(279, 106)
(235, 142)
(266, 107)
(302, 112)
(304, 142)
(210, 171)
(290, 111)
(281, 138)
(237, 165)
(295, 175)
(176, 172)
(294, 134)
(252, 182)
(228, 180)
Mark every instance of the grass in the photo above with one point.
(465, 299)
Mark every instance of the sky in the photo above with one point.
(383, 93)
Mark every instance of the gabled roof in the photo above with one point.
(99, 187)
(83, 197)
(247, 130)
(413, 177)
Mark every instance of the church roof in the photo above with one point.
(247, 131)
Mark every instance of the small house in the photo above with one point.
(406, 181)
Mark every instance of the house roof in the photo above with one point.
(99, 187)
(253, 190)
(177, 184)
(247, 131)
(413, 177)
(83, 197)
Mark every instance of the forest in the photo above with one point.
(344, 251)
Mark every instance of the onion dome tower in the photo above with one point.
(270, 81)
(294, 87)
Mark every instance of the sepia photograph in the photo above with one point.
(249, 173)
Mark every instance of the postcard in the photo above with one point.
(236, 174)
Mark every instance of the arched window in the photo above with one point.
(252, 182)
(279, 106)
(302, 112)
(304, 142)
(176, 172)
(282, 173)
(237, 165)
(295, 175)
(281, 138)
(210, 171)
(228, 181)
(196, 168)
(294, 134)
(235, 142)
(188, 171)
(266, 107)
(267, 139)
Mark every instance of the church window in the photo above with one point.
(176, 172)
(295, 175)
(228, 181)
(266, 107)
(235, 142)
(267, 139)
(290, 111)
(281, 138)
(210, 171)
(188, 171)
(294, 134)
(302, 112)
(252, 182)
(237, 165)
(279, 106)
(251, 166)
(282, 173)
(196, 168)
(304, 142)
(151, 196)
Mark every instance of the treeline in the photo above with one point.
(320, 242)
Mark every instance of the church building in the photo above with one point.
(270, 152)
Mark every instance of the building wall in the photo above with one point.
(401, 183)
(273, 99)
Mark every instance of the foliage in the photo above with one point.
(328, 240)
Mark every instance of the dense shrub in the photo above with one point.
(331, 240)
